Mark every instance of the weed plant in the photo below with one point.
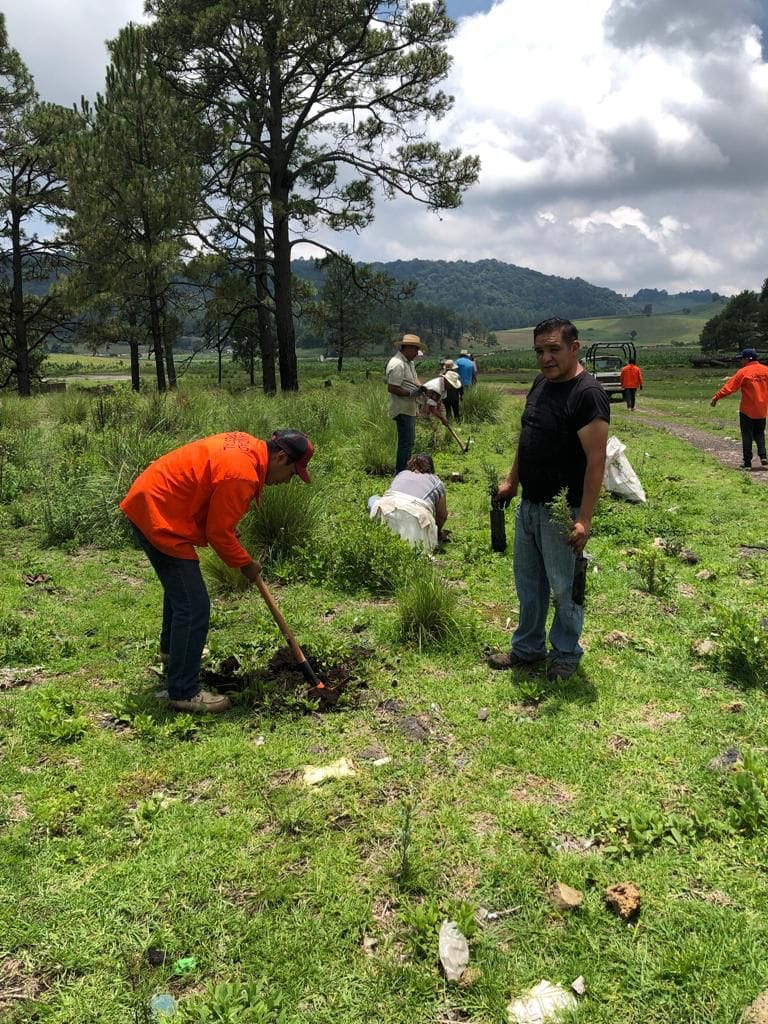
(428, 612)
(283, 524)
(654, 574)
(358, 554)
(222, 579)
(742, 647)
(481, 404)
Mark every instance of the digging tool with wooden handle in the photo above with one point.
(307, 671)
(455, 436)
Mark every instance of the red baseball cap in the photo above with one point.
(298, 446)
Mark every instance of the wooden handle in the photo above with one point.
(281, 623)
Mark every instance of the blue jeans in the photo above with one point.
(186, 615)
(544, 561)
(406, 435)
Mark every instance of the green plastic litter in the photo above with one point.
(185, 965)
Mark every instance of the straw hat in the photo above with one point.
(410, 339)
(449, 365)
(452, 378)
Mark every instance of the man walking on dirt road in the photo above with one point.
(752, 381)
(561, 448)
(191, 498)
(631, 381)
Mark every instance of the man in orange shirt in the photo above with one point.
(752, 381)
(192, 497)
(631, 380)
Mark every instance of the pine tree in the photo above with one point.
(330, 99)
(134, 190)
(32, 190)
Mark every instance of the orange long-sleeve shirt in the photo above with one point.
(631, 377)
(752, 379)
(197, 494)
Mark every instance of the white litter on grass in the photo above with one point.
(380, 761)
(341, 769)
(579, 986)
(544, 1002)
(454, 950)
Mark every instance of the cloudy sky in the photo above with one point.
(622, 141)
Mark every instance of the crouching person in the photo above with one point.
(191, 498)
(414, 505)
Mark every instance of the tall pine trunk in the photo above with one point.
(156, 332)
(20, 343)
(286, 339)
(263, 317)
(135, 373)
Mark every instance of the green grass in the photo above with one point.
(657, 329)
(124, 828)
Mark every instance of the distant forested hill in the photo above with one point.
(500, 295)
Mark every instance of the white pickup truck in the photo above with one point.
(605, 360)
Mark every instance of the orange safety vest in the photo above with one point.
(631, 377)
(197, 494)
(752, 379)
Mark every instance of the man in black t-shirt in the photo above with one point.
(561, 447)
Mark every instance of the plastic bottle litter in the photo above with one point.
(162, 1005)
(454, 950)
(544, 1002)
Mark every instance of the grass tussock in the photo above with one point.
(428, 612)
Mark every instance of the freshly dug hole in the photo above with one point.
(282, 680)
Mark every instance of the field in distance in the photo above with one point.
(661, 329)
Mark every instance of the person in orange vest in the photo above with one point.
(631, 381)
(752, 381)
(191, 498)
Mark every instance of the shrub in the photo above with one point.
(360, 554)
(221, 578)
(377, 436)
(742, 648)
(428, 611)
(85, 512)
(283, 523)
(230, 1002)
(750, 799)
(481, 404)
(655, 575)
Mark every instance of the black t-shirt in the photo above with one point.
(550, 455)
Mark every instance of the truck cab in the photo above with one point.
(605, 360)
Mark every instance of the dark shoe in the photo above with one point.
(561, 670)
(508, 659)
(764, 463)
(746, 467)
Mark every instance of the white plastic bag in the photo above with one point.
(544, 1002)
(453, 949)
(619, 477)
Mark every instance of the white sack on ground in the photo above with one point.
(619, 477)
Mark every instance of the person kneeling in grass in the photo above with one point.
(414, 505)
(191, 498)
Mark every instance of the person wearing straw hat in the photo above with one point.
(453, 389)
(404, 387)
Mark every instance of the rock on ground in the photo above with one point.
(563, 897)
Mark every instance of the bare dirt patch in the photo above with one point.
(282, 683)
(726, 452)
(17, 678)
(18, 982)
(536, 790)
(655, 719)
